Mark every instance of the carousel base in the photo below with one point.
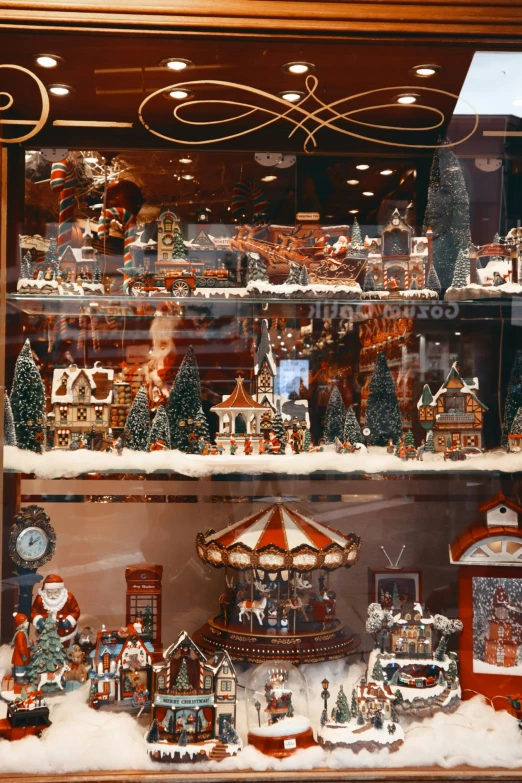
(280, 747)
(265, 645)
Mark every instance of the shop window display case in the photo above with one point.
(262, 409)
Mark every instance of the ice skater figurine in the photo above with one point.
(248, 448)
(421, 450)
(233, 445)
(21, 651)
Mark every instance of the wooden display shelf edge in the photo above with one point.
(413, 774)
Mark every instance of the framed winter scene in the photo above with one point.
(497, 626)
(395, 588)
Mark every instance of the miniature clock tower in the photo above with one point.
(144, 599)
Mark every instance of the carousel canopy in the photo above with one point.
(278, 538)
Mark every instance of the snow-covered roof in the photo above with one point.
(99, 379)
(502, 266)
(183, 639)
(468, 386)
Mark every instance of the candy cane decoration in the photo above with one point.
(56, 331)
(128, 221)
(63, 178)
(83, 323)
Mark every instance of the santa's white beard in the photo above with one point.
(54, 603)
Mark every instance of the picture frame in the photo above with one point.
(381, 583)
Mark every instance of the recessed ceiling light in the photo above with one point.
(437, 343)
(185, 160)
(354, 212)
(362, 166)
(268, 178)
(187, 176)
(292, 96)
(299, 68)
(176, 63)
(386, 172)
(179, 95)
(457, 334)
(60, 89)
(368, 193)
(407, 99)
(352, 181)
(47, 60)
(425, 71)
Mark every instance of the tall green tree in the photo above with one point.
(461, 272)
(184, 400)
(178, 248)
(279, 428)
(342, 710)
(334, 417)
(160, 428)
(9, 425)
(356, 236)
(137, 426)
(513, 398)
(383, 417)
(28, 401)
(447, 212)
(352, 431)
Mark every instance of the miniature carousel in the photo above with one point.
(271, 606)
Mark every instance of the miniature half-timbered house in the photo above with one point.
(455, 413)
(192, 695)
(121, 667)
(81, 400)
(397, 258)
(411, 635)
(373, 698)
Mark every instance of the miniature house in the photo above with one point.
(454, 413)
(373, 698)
(81, 400)
(121, 666)
(411, 636)
(143, 599)
(398, 258)
(239, 413)
(74, 259)
(495, 541)
(193, 695)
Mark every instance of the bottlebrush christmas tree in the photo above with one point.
(47, 657)
(184, 401)
(160, 427)
(28, 401)
(383, 417)
(202, 427)
(513, 398)
(178, 248)
(433, 282)
(369, 282)
(52, 258)
(294, 274)
(303, 276)
(256, 269)
(9, 425)
(447, 213)
(352, 431)
(356, 236)
(334, 417)
(182, 680)
(342, 710)
(137, 426)
(461, 272)
(279, 428)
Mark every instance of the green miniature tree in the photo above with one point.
(396, 599)
(97, 278)
(182, 738)
(516, 426)
(440, 652)
(127, 684)
(441, 679)
(184, 401)
(393, 714)
(353, 706)
(28, 401)
(178, 248)
(170, 725)
(369, 282)
(307, 440)
(160, 428)
(399, 698)
(153, 733)
(303, 276)
(356, 236)
(352, 431)
(240, 426)
(256, 269)
(377, 721)
(334, 417)
(378, 672)
(409, 441)
(182, 680)
(433, 282)
(382, 413)
(430, 446)
(52, 258)
(148, 626)
(413, 285)
(9, 425)
(360, 719)
(342, 711)
(202, 427)
(47, 657)
(294, 274)
(461, 272)
(137, 426)
(513, 398)
(452, 671)
(232, 736)
(447, 212)
(279, 428)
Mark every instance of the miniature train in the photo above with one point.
(184, 281)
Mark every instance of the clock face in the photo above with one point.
(32, 543)
(168, 240)
(395, 221)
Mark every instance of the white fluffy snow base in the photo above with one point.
(85, 739)
(476, 291)
(419, 293)
(288, 289)
(191, 749)
(346, 733)
(63, 463)
(29, 286)
(481, 667)
(283, 728)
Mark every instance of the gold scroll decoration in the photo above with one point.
(308, 120)
(7, 100)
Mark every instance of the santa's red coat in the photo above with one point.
(70, 611)
(21, 655)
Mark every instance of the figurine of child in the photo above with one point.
(21, 647)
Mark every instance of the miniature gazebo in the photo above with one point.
(270, 606)
(239, 404)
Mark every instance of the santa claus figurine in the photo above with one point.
(21, 653)
(54, 600)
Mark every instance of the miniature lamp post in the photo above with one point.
(325, 696)
(257, 705)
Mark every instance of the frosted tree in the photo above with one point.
(433, 282)
(430, 446)
(461, 272)
(513, 398)
(294, 274)
(399, 698)
(303, 276)
(377, 623)
(279, 428)
(452, 671)
(202, 427)
(356, 236)
(369, 282)
(377, 671)
(160, 427)
(516, 426)
(182, 680)
(28, 401)
(307, 440)
(413, 285)
(52, 258)
(342, 710)
(137, 426)
(47, 656)
(334, 417)
(447, 212)
(178, 248)
(377, 721)
(352, 431)
(383, 417)
(354, 706)
(446, 627)
(396, 599)
(9, 425)
(184, 401)
(153, 732)
(256, 269)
